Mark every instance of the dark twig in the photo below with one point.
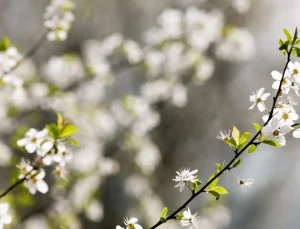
(227, 167)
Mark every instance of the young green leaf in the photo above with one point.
(296, 51)
(237, 163)
(256, 126)
(164, 214)
(252, 148)
(74, 142)
(295, 35)
(4, 44)
(236, 135)
(214, 183)
(61, 227)
(219, 189)
(68, 131)
(271, 143)
(231, 143)
(52, 130)
(242, 145)
(215, 194)
(244, 137)
(288, 36)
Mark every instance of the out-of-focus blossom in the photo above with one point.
(58, 19)
(190, 220)
(69, 66)
(5, 217)
(133, 52)
(32, 140)
(237, 45)
(241, 6)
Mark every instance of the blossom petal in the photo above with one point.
(261, 106)
(42, 186)
(276, 75)
(30, 147)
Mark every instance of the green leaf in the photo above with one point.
(242, 145)
(295, 125)
(74, 142)
(257, 127)
(271, 142)
(295, 35)
(214, 183)
(284, 46)
(297, 42)
(164, 212)
(244, 137)
(252, 148)
(288, 36)
(296, 51)
(236, 135)
(231, 143)
(280, 41)
(68, 131)
(219, 189)
(52, 130)
(4, 44)
(219, 167)
(61, 227)
(215, 194)
(237, 163)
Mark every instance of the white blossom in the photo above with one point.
(286, 82)
(258, 99)
(224, 136)
(25, 168)
(190, 220)
(184, 175)
(276, 130)
(32, 140)
(245, 184)
(241, 6)
(35, 182)
(130, 224)
(5, 217)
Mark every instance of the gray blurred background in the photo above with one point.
(187, 136)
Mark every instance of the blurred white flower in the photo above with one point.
(241, 6)
(5, 217)
(58, 19)
(237, 45)
(35, 182)
(171, 22)
(64, 70)
(204, 71)
(133, 52)
(94, 211)
(8, 60)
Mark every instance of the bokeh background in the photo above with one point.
(106, 182)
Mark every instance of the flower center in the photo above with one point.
(242, 182)
(285, 116)
(130, 226)
(33, 140)
(295, 71)
(283, 82)
(258, 100)
(276, 133)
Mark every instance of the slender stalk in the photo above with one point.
(238, 153)
(30, 52)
